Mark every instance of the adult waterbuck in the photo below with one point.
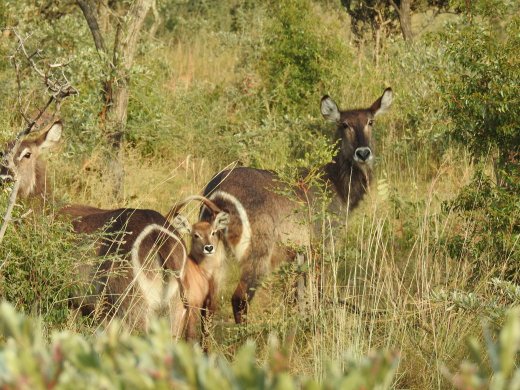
(143, 260)
(263, 223)
(133, 286)
(30, 167)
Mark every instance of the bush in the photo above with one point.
(491, 218)
(493, 305)
(481, 90)
(40, 255)
(301, 57)
(480, 95)
(117, 360)
(495, 366)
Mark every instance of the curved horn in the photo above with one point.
(208, 203)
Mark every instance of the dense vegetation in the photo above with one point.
(414, 272)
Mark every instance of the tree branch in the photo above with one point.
(157, 20)
(59, 89)
(396, 7)
(93, 25)
(9, 210)
(133, 23)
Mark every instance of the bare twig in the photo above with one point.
(9, 211)
(60, 89)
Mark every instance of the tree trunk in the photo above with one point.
(124, 52)
(103, 16)
(116, 88)
(405, 18)
(377, 44)
(90, 14)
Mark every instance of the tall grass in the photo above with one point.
(378, 274)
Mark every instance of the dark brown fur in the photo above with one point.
(115, 280)
(273, 223)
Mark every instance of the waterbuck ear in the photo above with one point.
(181, 224)
(382, 104)
(51, 137)
(329, 109)
(221, 221)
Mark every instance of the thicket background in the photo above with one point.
(432, 252)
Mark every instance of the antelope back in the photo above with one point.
(141, 251)
(123, 226)
(80, 210)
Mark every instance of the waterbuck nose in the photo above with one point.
(208, 248)
(363, 153)
(5, 175)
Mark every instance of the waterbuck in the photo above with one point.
(134, 286)
(143, 263)
(263, 223)
(158, 272)
(30, 167)
(203, 270)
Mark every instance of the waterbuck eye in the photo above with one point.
(27, 155)
(347, 128)
(370, 122)
(198, 236)
(213, 233)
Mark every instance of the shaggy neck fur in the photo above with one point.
(350, 181)
(209, 265)
(36, 184)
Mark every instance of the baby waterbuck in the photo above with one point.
(203, 270)
(263, 223)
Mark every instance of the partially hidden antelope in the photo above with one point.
(134, 286)
(203, 270)
(263, 223)
(143, 260)
(30, 167)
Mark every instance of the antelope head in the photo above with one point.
(29, 167)
(354, 127)
(205, 236)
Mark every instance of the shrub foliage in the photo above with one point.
(115, 360)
